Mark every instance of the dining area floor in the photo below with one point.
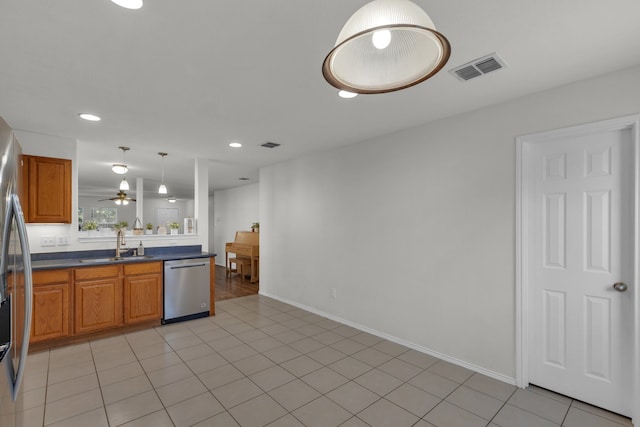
(232, 285)
(261, 362)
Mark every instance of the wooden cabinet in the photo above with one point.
(51, 304)
(46, 189)
(114, 295)
(142, 292)
(98, 298)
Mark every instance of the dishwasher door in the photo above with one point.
(186, 289)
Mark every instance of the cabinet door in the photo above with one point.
(49, 189)
(142, 298)
(98, 304)
(51, 309)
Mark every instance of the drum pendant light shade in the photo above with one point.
(387, 45)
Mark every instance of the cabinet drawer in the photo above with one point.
(143, 268)
(44, 277)
(101, 272)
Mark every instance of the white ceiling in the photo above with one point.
(188, 77)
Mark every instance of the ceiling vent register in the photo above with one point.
(478, 67)
(270, 145)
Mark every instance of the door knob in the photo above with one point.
(620, 287)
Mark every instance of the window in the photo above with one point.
(105, 217)
(80, 218)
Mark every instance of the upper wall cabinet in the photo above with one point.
(46, 191)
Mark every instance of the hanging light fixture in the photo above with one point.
(124, 185)
(163, 188)
(121, 168)
(386, 45)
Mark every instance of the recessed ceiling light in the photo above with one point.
(235, 145)
(346, 94)
(89, 117)
(129, 4)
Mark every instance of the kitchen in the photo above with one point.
(304, 201)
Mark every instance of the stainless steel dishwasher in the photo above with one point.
(186, 289)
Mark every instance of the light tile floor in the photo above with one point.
(262, 362)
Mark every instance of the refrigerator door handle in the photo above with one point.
(6, 232)
(28, 288)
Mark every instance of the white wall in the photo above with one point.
(416, 230)
(234, 210)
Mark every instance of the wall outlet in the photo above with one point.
(47, 241)
(62, 240)
(334, 293)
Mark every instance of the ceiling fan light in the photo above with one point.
(118, 202)
(408, 49)
(119, 168)
(171, 199)
(125, 202)
(162, 189)
(124, 185)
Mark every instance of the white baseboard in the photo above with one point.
(479, 369)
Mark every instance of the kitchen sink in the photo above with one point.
(112, 259)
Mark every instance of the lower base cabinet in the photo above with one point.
(82, 300)
(98, 298)
(51, 305)
(115, 295)
(142, 292)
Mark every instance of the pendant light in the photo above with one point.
(163, 188)
(386, 45)
(121, 168)
(124, 185)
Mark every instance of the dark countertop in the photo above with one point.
(53, 260)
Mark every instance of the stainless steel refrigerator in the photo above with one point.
(15, 282)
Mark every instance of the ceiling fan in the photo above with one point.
(120, 199)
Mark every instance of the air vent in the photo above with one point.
(270, 145)
(478, 67)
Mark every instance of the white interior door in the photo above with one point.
(580, 226)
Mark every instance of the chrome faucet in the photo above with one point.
(120, 242)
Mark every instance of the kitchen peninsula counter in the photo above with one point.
(72, 259)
